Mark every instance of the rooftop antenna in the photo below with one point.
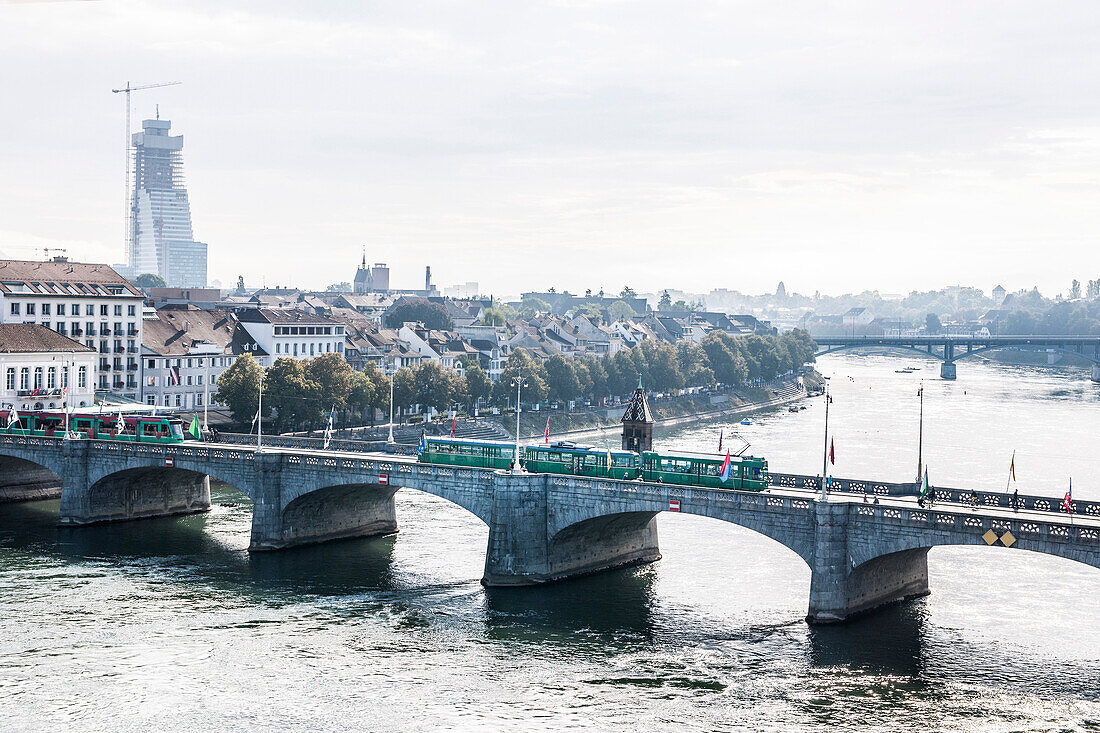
(128, 89)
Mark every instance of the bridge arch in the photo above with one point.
(24, 479)
(1045, 349)
(339, 511)
(831, 349)
(149, 491)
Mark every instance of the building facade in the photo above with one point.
(42, 370)
(161, 238)
(89, 303)
(293, 333)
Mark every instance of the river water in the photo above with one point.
(171, 624)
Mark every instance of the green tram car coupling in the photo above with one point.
(95, 426)
(682, 468)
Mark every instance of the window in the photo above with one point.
(45, 309)
(199, 380)
(82, 377)
(11, 378)
(30, 309)
(151, 399)
(45, 324)
(65, 377)
(24, 378)
(60, 309)
(167, 400)
(38, 377)
(51, 378)
(90, 328)
(189, 364)
(89, 310)
(118, 310)
(130, 311)
(75, 310)
(296, 349)
(103, 309)
(152, 363)
(179, 400)
(278, 348)
(310, 348)
(198, 400)
(118, 327)
(189, 379)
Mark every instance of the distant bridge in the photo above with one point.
(950, 349)
(866, 546)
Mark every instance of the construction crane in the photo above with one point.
(128, 89)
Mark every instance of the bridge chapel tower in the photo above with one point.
(638, 423)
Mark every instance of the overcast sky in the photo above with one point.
(576, 143)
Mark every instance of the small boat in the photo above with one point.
(803, 407)
(792, 408)
(746, 421)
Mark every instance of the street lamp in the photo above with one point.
(825, 454)
(519, 383)
(389, 440)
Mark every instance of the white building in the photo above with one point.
(87, 302)
(185, 351)
(293, 333)
(43, 370)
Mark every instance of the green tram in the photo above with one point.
(564, 457)
(95, 426)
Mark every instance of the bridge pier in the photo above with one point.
(1096, 372)
(839, 591)
(521, 550)
(947, 370)
(25, 481)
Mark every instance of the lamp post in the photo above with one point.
(390, 440)
(519, 383)
(206, 395)
(920, 433)
(260, 414)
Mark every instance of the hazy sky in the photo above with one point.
(577, 143)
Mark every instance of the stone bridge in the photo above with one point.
(950, 348)
(541, 527)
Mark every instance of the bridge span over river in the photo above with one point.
(862, 554)
(949, 348)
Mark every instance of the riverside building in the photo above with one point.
(89, 303)
(42, 370)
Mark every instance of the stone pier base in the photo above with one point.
(135, 494)
(1096, 372)
(900, 576)
(333, 513)
(947, 370)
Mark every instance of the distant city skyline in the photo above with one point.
(576, 144)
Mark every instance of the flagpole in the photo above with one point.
(825, 451)
(206, 395)
(1011, 472)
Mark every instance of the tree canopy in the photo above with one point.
(410, 310)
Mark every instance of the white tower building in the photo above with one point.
(161, 240)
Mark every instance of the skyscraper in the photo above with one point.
(161, 240)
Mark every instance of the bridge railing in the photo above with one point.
(1020, 528)
(992, 499)
(337, 444)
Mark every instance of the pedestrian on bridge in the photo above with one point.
(1016, 500)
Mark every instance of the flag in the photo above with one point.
(13, 417)
(924, 489)
(120, 424)
(609, 458)
(546, 435)
(725, 470)
(1067, 501)
(453, 420)
(721, 434)
(1012, 466)
(173, 377)
(832, 451)
(195, 429)
(254, 419)
(422, 445)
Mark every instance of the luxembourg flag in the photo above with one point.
(724, 472)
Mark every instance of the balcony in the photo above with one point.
(104, 366)
(132, 367)
(131, 350)
(131, 384)
(91, 332)
(105, 332)
(120, 349)
(104, 350)
(78, 331)
(132, 332)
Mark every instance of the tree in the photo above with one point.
(148, 280)
(520, 364)
(478, 384)
(561, 378)
(239, 388)
(433, 386)
(596, 384)
(364, 393)
(620, 311)
(1075, 290)
(627, 292)
(293, 397)
(498, 315)
(665, 302)
(725, 359)
(664, 367)
(531, 305)
(409, 310)
(404, 390)
(333, 376)
(343, 287)
(932, 323)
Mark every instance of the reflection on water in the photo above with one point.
(171, 623)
